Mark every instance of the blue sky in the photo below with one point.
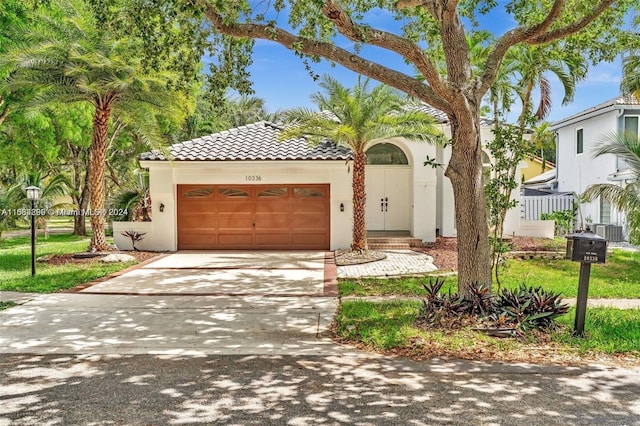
(281, 79)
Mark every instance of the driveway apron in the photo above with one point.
(224, 273)
(241, 303)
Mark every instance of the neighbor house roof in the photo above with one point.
(621, 102)
(441, 117)
(545, 177)
(257, 141)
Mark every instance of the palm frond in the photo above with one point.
(625, 145)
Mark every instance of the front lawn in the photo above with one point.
(15, 265)
(389, 327)
(618, 278)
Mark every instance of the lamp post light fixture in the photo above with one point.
(33, 195)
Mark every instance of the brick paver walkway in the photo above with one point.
(397, 263)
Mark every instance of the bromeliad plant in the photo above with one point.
(521, 310)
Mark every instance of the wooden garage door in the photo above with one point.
(253, 217)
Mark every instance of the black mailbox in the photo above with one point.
(586, 247)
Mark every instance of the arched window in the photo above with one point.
(386, 154)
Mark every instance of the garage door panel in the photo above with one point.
(309, 239)
(198, 221)
(272, 207)
(235, 239)
(234, 222)
(199, 207)
(272, 221)
(234, 206)
(308, 221)
(273, 239)
(197, 239)
(309, 208)
(253, 216)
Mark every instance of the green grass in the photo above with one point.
(383, 325)
(607, 330)
(619, 277)
(389, 326)
(390, 286)
(15, 265)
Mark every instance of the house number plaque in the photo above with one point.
(253, 178)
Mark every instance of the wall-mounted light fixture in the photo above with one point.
(161, 207)
(341, 207)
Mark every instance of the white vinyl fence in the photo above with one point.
(532, 207)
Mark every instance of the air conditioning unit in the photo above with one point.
(613, 233)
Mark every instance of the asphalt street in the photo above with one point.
(307, 390)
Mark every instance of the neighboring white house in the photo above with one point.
(577, 136)
(244, 189)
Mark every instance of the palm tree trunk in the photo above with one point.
(97, 162)
(359, 242)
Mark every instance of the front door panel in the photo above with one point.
(388, 198)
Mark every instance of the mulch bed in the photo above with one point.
(68, 258)
(445, 250)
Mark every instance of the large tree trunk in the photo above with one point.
(359, 242)
(97, 162)
(79, 223)
(465, 172)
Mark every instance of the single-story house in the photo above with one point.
(244, 189)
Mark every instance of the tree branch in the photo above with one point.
(573, 28)
(331, 52)
(4, 111)
(386, 40)
(537, 34)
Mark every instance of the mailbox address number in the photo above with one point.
(590, 258)
(253, 178)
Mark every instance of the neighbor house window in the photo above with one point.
(631, 125)
(605, 211)
(579, 141)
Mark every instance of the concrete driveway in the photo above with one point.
(281, 273)
(186, 303)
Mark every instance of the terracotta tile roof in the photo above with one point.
(257, 141)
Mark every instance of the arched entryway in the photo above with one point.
(388, 188)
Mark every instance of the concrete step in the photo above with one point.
(389, 246)
(410, 241)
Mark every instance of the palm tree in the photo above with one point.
(51, 190)
(134, 199)
(532, 64)
(75, 59)
(626, 198)
(543, 143)
(631, 75)
(355, 118)
(630, 84)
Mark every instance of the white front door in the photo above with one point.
(388, 201)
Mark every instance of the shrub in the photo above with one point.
(522, 309)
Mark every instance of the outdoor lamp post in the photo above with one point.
(33, 195)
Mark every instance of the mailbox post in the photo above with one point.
(586, 248)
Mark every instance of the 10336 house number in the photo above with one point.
(253, 178)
